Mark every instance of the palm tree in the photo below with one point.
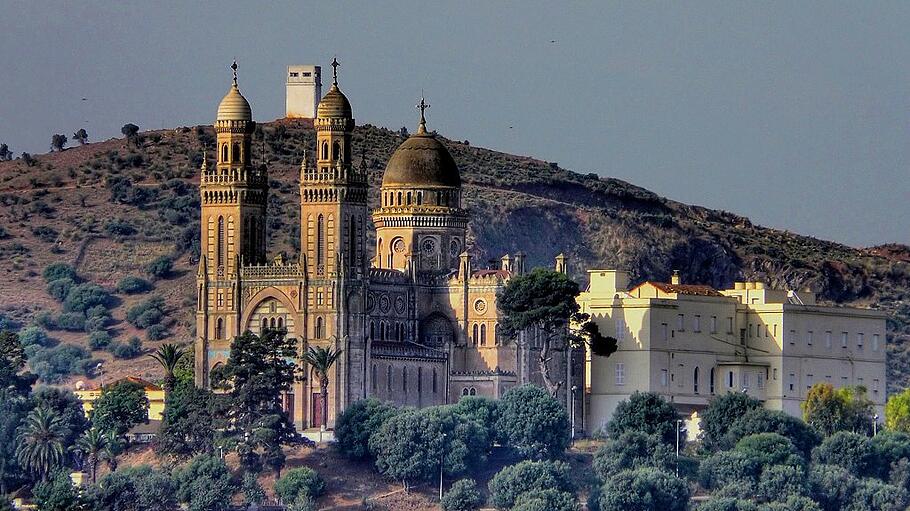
(40, 448)
(321, 361)
(168, 356)
(113, 446)
(92, 445)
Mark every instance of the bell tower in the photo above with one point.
(233, 195)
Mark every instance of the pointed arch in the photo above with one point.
(325, 150)
(320, 241)
(336, 151)
(695, 380)
(483, 334)
(219, 328)
(219, 247)
(224, 153)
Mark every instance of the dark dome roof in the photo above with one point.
(421, 161)
(334, 105)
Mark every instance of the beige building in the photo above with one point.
(154, 393)
(417, 322)
(692, 342)
(304, 89)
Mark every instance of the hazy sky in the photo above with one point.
(794, 114)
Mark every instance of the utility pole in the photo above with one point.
(442, 458)
(678, 422)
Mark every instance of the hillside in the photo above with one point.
(111, 207)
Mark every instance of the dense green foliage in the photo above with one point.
(189, 422)
(897, 411)
(462, 496)
(205, 484)
(297, 482)
(39, 444)
(851, 451)
(768, 421)
(645, 489)
(57, 493)
(132, 285)
(528, 477)
(846, 409)
(161, 267)
(357, 422)
(721, 413)
(633, 450)
(532, 423)
(648, 413)
(146, 313)
(140, 488)
(120, 407)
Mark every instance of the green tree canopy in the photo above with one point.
(545, 300)
(845, 409)
(188, 424)
(528, 477)
(40, 443)
(168, 355)
(57, 493)
(120, 407)
(648, 413)
(205, 484)
(851, 451)
(81, 136)
(14, 379)
(65, 405)
(533, 423)
(897, 411)
(297, 482)
(139, 488)
(632, 450)
(720, 414)
(462, 496)
(645, 489)
(357, 422)
(772, 421)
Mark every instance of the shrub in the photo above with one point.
(85, 296)
(45, 320)
(52, 365)
(645, 489)
(484, 411)
(252, 490)
(649, 413)
(793, 503)
(59, 271)
(831, 486)
(138, 488)
(546, 500)
(131, 349)
(848, 450)
(357, 422)
(302, 481)
(45, 233)
(630, 451)
(119, 227)
(532, 423)
(155, 333)
(728, 504)
(462, 496)
(147, 313)
(33, 335)
(526, 477)
(720, 414)
(770, 449)
(767, 421)
(874, 495)
(205, 484)
(161, 267)
(890, 447)
(99, 340)
(133, 285)
(71, 321)
(779, 482)
(59, 288)
(727, 467)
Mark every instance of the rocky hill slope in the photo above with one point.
(110, 208)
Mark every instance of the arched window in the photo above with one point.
(224, 153)
(336, 151)
(404, 380)
(711, 380)
(473, 392)
(399, 198)
(419, 198)
(695, 380)
(320, 242)
(219, 247)
(474, 335)
(408, 199)
(325, 150)
(320, 328)
(352, 242)
(483, 335)
(219, 328)
(464, 392)
(388, 378)
(235, 153)
(280, 323)
(382, 330)
(372, 330)
(272, 323)
(419, 380)
(373, 376)
(434, 380)
(265, 324)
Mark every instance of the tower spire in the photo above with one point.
(234, 69)
(335, 65)
(422, 106)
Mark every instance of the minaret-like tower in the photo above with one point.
(333, 214)
(233, 194)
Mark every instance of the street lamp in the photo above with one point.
(572, 407)
(678, 423)
(442, 457)
(100, 368)
(874, 424)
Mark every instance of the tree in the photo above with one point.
(253, 494)
(846, 409)
(14, 408)
(131, 132)
(851, 451)
(485, 411)
(57, 493)
(897, 412)
(767, 421)
(779, 482)
(632, 450)
(160, 267)
(297, 482)
(720, 414)
(528, 477)
(770, 449)
(259, 370)
(81, 136)
(648, 413)
(533, 423)
(462, 496)
(27, 159)
(357, 422)
(132, 285)
(168, 355)
(546, 500)
(792, 503)
(205, 484)
(726, 468)
(544, 300)
(91, 446)
(645, 489)
(890, 448)
(14, 380)
(58, 142)
(874, 495)
(723, 503)
(120, 407)
(5, 153)
(59, 271)
(831, 486)
(321, 360)
(40, 449)
(189, 422)
(139, 488)
(67, 407)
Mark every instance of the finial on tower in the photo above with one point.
(422, 106)
(234, 69)
(205, 161)
(335, 65)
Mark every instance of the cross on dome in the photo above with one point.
(422, 106)
(335, 65)
(234, 69)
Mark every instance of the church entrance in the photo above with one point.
(318, 418)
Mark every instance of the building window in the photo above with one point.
(809, 379)
(859, 341)
(464, 392)
(760, 380)
(730, 379)
(373, 376)
(663, 377)
(874, 342)
(696, 324)
(620, 373)
(875, 387)
(473, 392)
(843, 339)
(434, 380)
(665, 329)
(681, 322)
(774, 374)
(474, 334)
(388, 379)
(319, 332)
(220, 299)
(265, 324)
(620, 329)
(809, 337)
(730, 325)
(828, 339)
(745, 379)
(792, 339)
(751, 331)
(325, 150)
(320, 243)
(219, 247)
(695, 380)
(404, 379)
(792, 383)
(372, 330)
(483, 334)
(235, 153)
(713, 324)
(711, 381)
(219, 328)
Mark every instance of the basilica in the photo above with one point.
(416, 322)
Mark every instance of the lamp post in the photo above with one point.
(100, 368)
(442, 457)
(678, 422)
(572, 408)
(874, 424)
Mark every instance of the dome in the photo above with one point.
(334, 105)
(234, 107)
(421, 161)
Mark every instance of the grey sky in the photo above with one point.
(794, 114)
